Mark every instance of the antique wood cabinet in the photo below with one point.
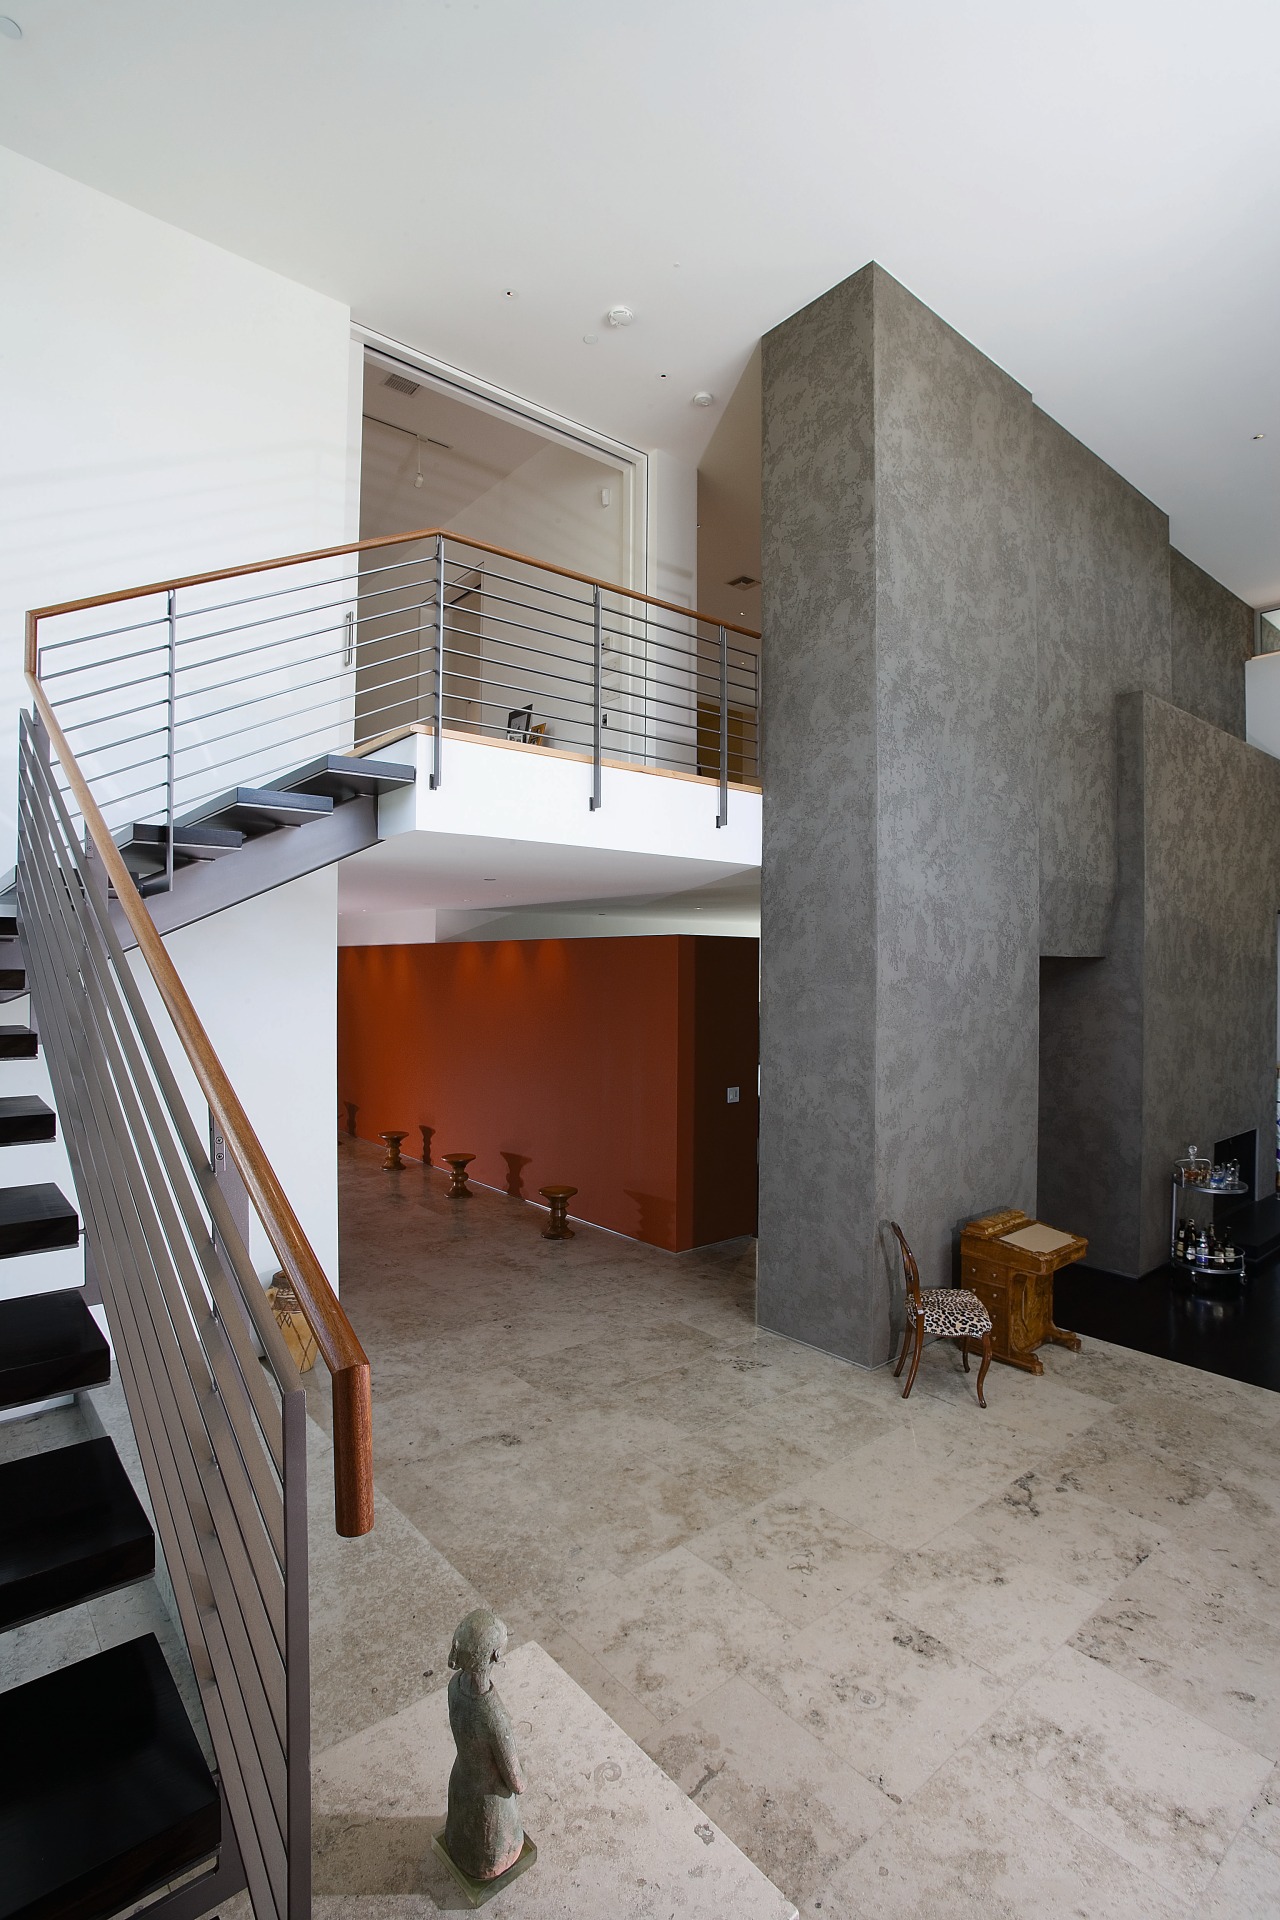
(1015, 1281)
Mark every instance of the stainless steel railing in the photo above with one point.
(216, 1402)
(228, 679)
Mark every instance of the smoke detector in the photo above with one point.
(620, 316)
(398, 384)
(704, 399)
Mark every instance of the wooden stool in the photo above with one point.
(426, 1133)
(557, 1198)
(458, 1164)
(393, 1163)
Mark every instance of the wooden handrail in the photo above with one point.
(365, 546)
(335, 1337)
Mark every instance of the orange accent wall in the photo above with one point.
(599, 1063)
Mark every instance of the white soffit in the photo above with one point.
(1088, 192)
(415, 870)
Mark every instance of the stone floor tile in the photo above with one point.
(1192, 1647)
(906, 1487)
(19, 1438)
(1047, 1520)
(673, 1630)
(793, 1554)
(1113, 1464)
(578, 1492)
(1264, 1815)
(631, 1714)
(383, 1610)
(1033, 1404)
(972, 1845)
(1246, 1884)
(790, 1803)
(996, 1610)
(42, 1646)
(891, 1699)
(1139, 1775)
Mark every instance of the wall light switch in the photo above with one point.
(731, 1095)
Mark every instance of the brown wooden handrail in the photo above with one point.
(365, 546)
(335, 1337)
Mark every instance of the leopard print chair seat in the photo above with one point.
(943, 1313)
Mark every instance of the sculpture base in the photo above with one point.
(478, 1892)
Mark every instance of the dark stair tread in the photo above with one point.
(25, 1116)
(257, 810)
(18, 1043)
(145, 844)
(50, 1344)
(13, 979)
(104, 1792)
(8, 926)
(35, 1219)
(344, 776)
(71, 1527)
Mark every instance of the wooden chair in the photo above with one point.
(947, 1313)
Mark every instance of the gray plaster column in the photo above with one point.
(900, 884)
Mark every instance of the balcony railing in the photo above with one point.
(171, 694)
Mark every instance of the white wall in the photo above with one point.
(1262, 702)
(167, 408)
(263, 978)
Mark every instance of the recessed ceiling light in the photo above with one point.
(1259, 436)
(590, 339)
(620, 316)
(704, 399)
(10, 28)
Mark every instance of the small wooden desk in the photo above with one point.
(1015, 1285)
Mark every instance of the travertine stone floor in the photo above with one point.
(912, 1657)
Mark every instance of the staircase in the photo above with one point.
(246, 841)
(105, 1794)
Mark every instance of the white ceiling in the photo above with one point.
(1088, 191)
(478, 871)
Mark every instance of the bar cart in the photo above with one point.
(1195, 1246)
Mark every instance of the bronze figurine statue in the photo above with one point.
(484, 1834)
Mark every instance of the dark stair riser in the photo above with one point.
(71, 1528)
(36, 1219)
(18, 1043)
(104, 1792)
(50, 1344)
(25, 1118)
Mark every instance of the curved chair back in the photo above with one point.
(911, 1271)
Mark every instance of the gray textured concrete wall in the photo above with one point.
(1211, 634)
(975, 634)
(1091, 1055)
(1211, 829)
(1171, 1039)
(1102, 629)
(817, 906)
(898, 924)
(957, 866)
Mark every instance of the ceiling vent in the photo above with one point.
(398, 384)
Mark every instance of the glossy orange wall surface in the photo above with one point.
(571, 1061)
